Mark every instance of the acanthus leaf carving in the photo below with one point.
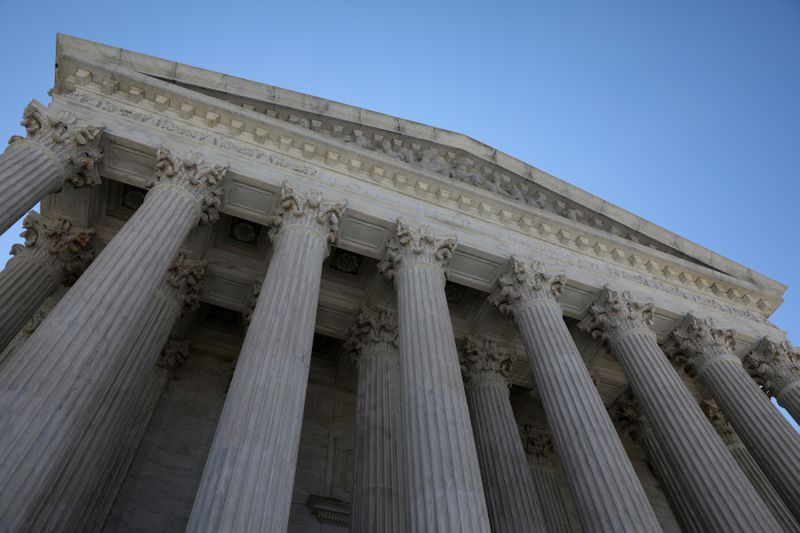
(615, 313)
(188, 172)
(247, 316)
(63, 246)
(525, 282)
(184, 280)
(774, 365)
(627, 413)
(75, 145)
(374, 332)
(537, 443)
(719, 421)
(308, 210)
(415, 246)
(482, 360)
(696, 342)
(174, 354)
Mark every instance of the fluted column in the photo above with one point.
(54, 385)
(626, 412)
(607, 493)
(721, 494)
(378, 496)
(510, 493)
(443, 481)
(749, 466)
(775, 365)
(54, 252)
(706, 352)
(57, 149)
(248, 478)
(538, 448)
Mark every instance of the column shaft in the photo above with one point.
(25, 283)
(607, 493)
(249, 475)
(510, 494)
(551, 500)
(789, 398)
(27, 174)
(53, 386)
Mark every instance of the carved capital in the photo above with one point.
(415, 246)
(538, 444)
(375, 332)
(523, 283)
(719, 421)
(173, 354)
(189, 173)
(774, 365)
(482, 360)
(57, 242)
(251, 303)
(615, 313)
(627, 413)
(184, 280)
(696, 342)
(308, 211)
(74, 144)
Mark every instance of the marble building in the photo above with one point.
(240, 308)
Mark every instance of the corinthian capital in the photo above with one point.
(538, 444)
(774, 365)
(615, 313)
(309, 211)
(697, 342)
(374, 333)
(718, 420)
(173, 354)
(188, 172)
(418, 246)
(523, 283)
(482, 360)
(58, 243)
(184, 280)
(74, 144)
(627, 413)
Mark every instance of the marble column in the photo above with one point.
(57, 149)
(721, 494)
(706, 352)
(378, 496)
(538, 446)
(510, 493)
(626, 412)
(55, 383)
(249, 475)
(607, 493)
(749, 466)
(443, 481)
(55, 252)
(66, 506)
(775, 365)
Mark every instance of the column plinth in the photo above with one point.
(510, 493)
(721, 494)
(443, 482)
(594, 461)
(57, 149)
(54, 385)
(706, 352)
(775, 365)
(539, 450)
(378, 496)
(249, 475)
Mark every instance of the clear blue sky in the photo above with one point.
(686, 113)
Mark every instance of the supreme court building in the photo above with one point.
(244, 309)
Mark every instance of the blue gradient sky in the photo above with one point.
(685, 113)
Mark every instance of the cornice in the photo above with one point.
(302, 151)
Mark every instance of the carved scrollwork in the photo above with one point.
(375, 331)
(307, 210)
(697, 342)
(615, 313)
(482, 360)
(63, 246)
(184, 280)
(774, 365)
(188, 172)
(415, 246)
(523, 283)
(75, 145)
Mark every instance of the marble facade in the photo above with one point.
(242, 308)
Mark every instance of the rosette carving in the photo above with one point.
(188, 172)
(538, 444)
(75, 144)
(307, 210)
(523, 283)
(696, 342)
(615, 313)
(718, 420)
(415, 246)
(64, 247)
(774, 365)
(375, 330)
(482, 360)
(173, 354)
(184, 280)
